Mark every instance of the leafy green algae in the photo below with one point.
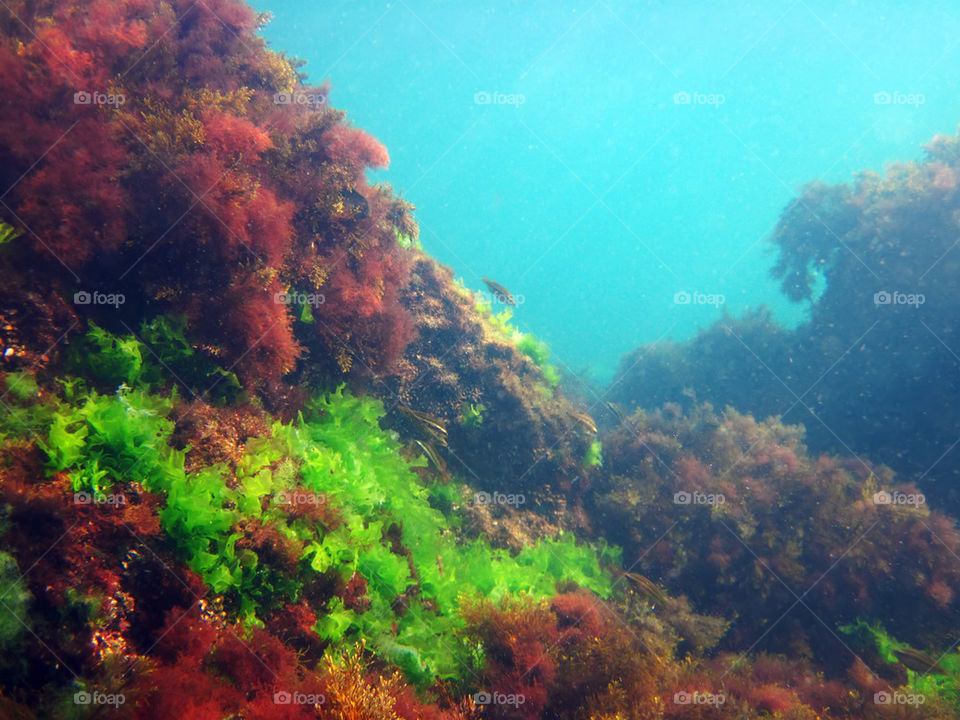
(390, 531)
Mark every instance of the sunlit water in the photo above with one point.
(600, 158)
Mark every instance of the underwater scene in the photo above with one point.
(420, 360)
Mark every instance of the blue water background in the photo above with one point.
(603, 194)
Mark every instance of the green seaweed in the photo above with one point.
(106, 358)
(526, 343)
(396, 532)
(159, 358)
(471, 414)
(407, 241)
(538, 351)
(594, 456)
(8, 233)
(929, 684)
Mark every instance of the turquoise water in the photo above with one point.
(586, 184)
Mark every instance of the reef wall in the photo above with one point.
(873, 370)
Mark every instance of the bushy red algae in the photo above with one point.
(736, 515)
(149, 155)
(161, 156)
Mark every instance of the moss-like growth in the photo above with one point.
(471, 414)
(594, 456)
(526, 343)
(537, 351)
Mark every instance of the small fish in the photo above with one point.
(431, 452)
(427, 423)
(919, 661)
(617, 412)
(500, 292)
(585, 420)
(646, 586)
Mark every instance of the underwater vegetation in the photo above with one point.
(306, 559)
(873, 369)
(173, 177)
(318, 532)
(735, 515)
(529, 440)
(262, 457)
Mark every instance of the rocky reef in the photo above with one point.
(873, 369)
(262, 457)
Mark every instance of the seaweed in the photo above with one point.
(158, 358)
(8, 233)
(471, 414)
(746, 514)
(936, 677)
(871, 264)
(242, 527)
(537, 351)
(594, 456)
(526, 343)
